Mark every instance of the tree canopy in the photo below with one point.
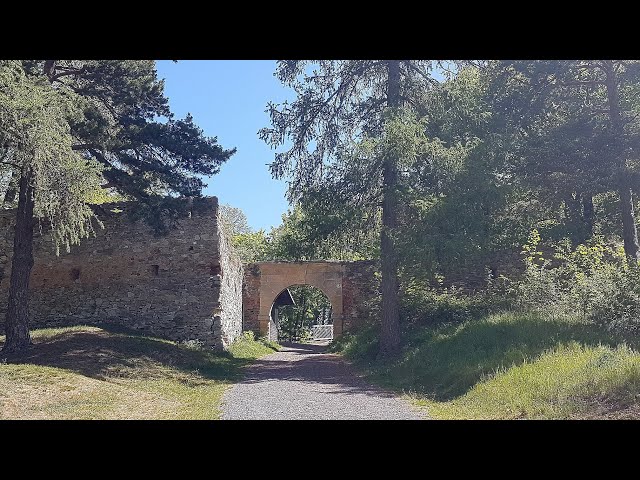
(71, 127)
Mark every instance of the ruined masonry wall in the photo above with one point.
(227, 326)
(182, 286)
(361, 293)
(251, 297)
(351, 287)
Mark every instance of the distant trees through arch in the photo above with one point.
(297, 309)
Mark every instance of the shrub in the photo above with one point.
(595, 281)
(423, 305)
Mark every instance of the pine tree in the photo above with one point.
(78, 118)
(337, 103)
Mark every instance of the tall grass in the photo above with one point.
(507, 365)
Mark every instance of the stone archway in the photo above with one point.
(348, 285)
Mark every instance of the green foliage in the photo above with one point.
(234, 221)
(252, 246)
(249, 245)
(361, 345)
(337, 103)
(423, 305)
(315, 229)
(508, 365)
(311, 307)
(36, 137)
(594, 280)
(127, 126)
(247, 347)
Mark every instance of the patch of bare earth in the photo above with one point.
(609, 409)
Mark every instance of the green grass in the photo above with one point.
(509, 366)
(94, 373)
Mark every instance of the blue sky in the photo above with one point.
(227, 99)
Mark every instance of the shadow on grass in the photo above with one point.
(114, 351)
(444, 363)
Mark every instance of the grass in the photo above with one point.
(94, 373)
(510, 365)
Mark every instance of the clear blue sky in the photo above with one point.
(227, 99)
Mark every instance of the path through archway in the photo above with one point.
(351, 288)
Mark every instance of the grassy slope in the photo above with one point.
(510, 366)
(92, 373)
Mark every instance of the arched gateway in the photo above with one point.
(350, 286)
(183, 285)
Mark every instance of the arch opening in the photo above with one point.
(302, 312)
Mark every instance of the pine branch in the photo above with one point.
(11, 164)
(76, 71)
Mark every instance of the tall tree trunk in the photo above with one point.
(17, 319)
(573, 215)
(390, 331)
(629, 229)
(588, 214)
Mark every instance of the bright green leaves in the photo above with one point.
(36, 136)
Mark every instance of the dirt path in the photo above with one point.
(302, 382)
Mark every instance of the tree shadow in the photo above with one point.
(445, 363)
(309, 363)
(113, 352)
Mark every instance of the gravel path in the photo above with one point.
(302, 382)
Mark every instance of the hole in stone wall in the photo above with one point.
(74, 274)
(155, 270)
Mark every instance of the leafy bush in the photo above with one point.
(246, 346)
(594, 281)
(423, 305)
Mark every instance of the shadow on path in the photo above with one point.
(304, 382)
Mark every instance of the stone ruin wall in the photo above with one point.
(182, 286)
(352, 289)
(361, 293)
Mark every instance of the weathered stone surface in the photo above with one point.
(186, 285)
(230, 293)
(182, 286)
(349, 286)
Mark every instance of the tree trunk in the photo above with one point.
(588, 214)
(17, 320)
(390, 328)
(573, 215)
(629, 229)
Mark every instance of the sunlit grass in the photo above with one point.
(509, 366)
(563, 383)
(91, 373)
